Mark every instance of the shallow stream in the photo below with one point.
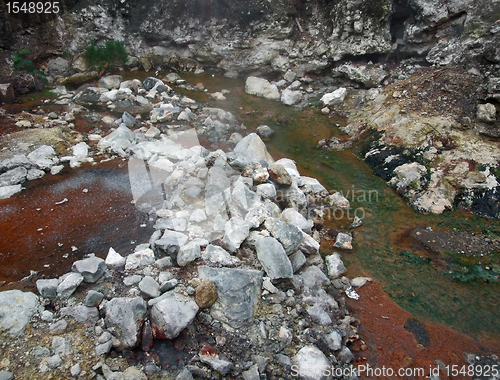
(414, 277)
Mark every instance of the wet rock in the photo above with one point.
(110, 81)
(251, 149)
(206, 294)
(92, 268)
(58, 66)
(238, 291)
(68, 284)
(236, 231)
(93, 298)
(81, 314)
(47, 287)
(7, 93)
(8, 191)
(279, 174)
(273, 258)
(311, 364)
(290, 97)
(261, 87)
(140, 259)
(264, 131)
(287, 234)
(335, 97)
(126, 317)
(486, 113)
(418, 330)
(16, 310)
(343, 241)
(114, 260)
(43, 157)
(149, 287)
(170, 314)
(335, 266)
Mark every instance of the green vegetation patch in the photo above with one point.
(111, 53)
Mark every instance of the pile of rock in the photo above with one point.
(233, 268)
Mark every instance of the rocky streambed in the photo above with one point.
(231, 279)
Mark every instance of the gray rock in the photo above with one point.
(149, 287)
(290, 97)
(335, 266)
(335, 97)
(93, 298)
(151, 82)
(242, 199)
(114, 260)
(47, 316)
(312, 364)
(168, 285)
(61, 346)
(103, 348)
(117, 141)
(16, 310)
(284, 361)
(343, 241)
(261, 362)
(312, 185)
(312, 279)
(236, 231)
(188, 253)
(292, 216)
(486, 113)
(358, 282)
(287, 234)
(14, 162)
(171, 239)
(264, 131)
(110, 81)
(8, 191)
(43, 157)
(47, 287)
(252, 149)
(368, 75)
(185, 374)
(273, 258)
(140, 259)
(297, 260)
(54, 362)
(261, 87)
(132, 280)
(128, 119)
(58, 327)
(279, 174)
(68, 284)
(266, 190)
(34, 174)
(238, 291)
(217, 255)
(75, 370)
(309, 245)
(334, 340)
(346, 355)
(217, 192)
(126, 316)
(58, 66)
(220, 365)
(14, 176)
(171, 314)
(82, 314)
(6, 375)
(92, 268)
(41, 352)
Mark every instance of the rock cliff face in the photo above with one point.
(271, 36)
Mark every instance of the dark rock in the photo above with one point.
(7, 93)
(419, 331)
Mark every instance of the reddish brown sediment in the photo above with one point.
(98, 213)
(387, 344)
